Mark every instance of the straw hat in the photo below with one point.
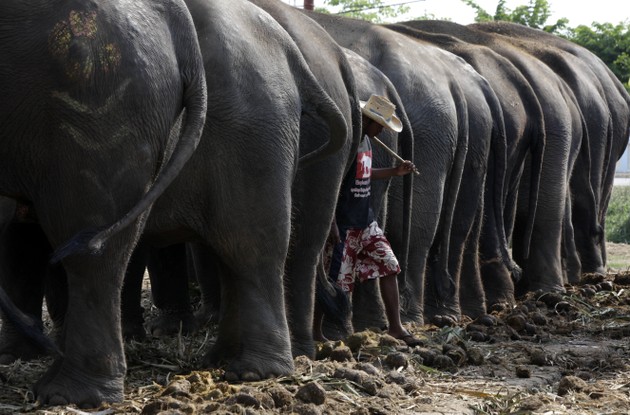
(381, 110)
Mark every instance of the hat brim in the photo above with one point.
(393, 124)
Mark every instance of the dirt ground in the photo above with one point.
(552, 354)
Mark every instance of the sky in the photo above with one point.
(579, 12)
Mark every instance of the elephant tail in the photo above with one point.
(406, 146)
(537, 157)
(25, 325)
(195, 104)
(499, 177)
(445, 286)
(331, 299)
(318, 102)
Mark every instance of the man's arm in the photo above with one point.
(402, 169)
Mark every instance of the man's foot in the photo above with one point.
(405, 336)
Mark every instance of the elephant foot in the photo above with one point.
(442, 315)
(473, 310)
(444, 320)
(547, 288)
(336, 331)
(172, 322)
(63, 385)
(498, 307)
(252, 365)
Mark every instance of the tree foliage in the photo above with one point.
(611, 43)
(372, 10)
(533, 14)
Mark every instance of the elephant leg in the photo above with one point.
(169, 290)
(368, 310)
(132, 312)
(572, 265)
(253, 340)
(542, 270)
(24, 252)
(497, 280)
(312, 211)
(253, 337)
(203, 268)
(92, 368)
(423, 229)
(446, 310)
(472, 297)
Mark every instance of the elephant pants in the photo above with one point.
(363, 254)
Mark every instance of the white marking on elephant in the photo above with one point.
(113, 103)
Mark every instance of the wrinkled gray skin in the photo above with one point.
(524, 125)
(91, 91)
(481, 191)
(606, 107)
(435, 105)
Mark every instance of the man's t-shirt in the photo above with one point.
(353, 207)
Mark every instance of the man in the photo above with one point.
(361, 250)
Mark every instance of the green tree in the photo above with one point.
(372, 10)
(611, 43)
(534, 14)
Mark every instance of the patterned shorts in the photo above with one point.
(366, 255)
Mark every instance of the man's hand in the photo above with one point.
(405, 168)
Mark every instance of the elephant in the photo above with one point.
(524, 125)
(92, 131)
(435, 105)
(313, 204)
(606, 108)
(232, 171)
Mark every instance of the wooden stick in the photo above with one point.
(392, 152)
